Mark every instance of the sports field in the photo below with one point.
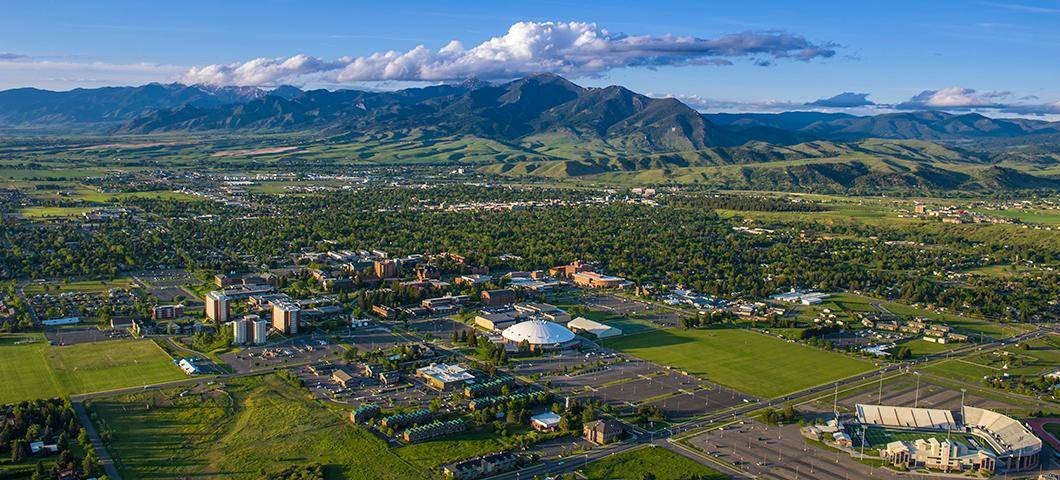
(33, 369)
(879, 437)
(248, 428)
(746, 361)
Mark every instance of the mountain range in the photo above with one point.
(553, 125)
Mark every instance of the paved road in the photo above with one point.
(97, 442)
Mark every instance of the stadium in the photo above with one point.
(540, 334)
(972, 439)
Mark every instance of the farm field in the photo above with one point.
(660, 462)
(246, 429)
(746, 361)
(37, 370)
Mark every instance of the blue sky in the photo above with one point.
(997, 55)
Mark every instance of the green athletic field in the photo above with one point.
(746, 361)
(37, 370)
(878, 437)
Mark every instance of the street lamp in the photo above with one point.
(916, 399)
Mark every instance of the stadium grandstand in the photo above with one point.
(938, 439)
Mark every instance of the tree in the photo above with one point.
(19, 450)
(351, 354)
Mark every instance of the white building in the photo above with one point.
(599, 330)
(540, 334)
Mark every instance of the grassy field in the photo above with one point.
(1050, 217)
(1041, 357)
(87, 286)
(880, 437)
(919, 347)
(662, 463)
(100, 366)
(750, 362)
(37, 370)
(848, 302)
(245, 429)
(53, 212)
(24, 370)
(431, 454)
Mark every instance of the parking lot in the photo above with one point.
(643, 311)
(375, 338)
(771, 452)
(626, 383)
(440, 329)
(299, 350)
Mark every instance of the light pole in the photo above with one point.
(916, 399)
(879, 400)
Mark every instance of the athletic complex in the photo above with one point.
(944, 440)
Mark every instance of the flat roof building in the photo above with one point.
(443, 376)
(545, 422)
(286, 316)
(597, 329)
(498, 297)
(495, 322)
(217, 307)
(596, 280)
(543, 311)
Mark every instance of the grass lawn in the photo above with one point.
(100, 366)
(920, 347)
(1041, 357)
(431, 454)
(24, 370)
(747, 361)
(53, 212)
(244, 429)
(86, 286)
(662, 463)
(37, 370)
(972, 326)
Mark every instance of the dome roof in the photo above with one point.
(538, 332)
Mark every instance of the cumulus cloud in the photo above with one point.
(953, 98)
(572, 48)
(960, 99)
(843, 100)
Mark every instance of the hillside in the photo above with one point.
(546, 126)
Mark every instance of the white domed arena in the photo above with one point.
(540, 334)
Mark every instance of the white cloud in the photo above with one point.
(953, 97)
(574, 48)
